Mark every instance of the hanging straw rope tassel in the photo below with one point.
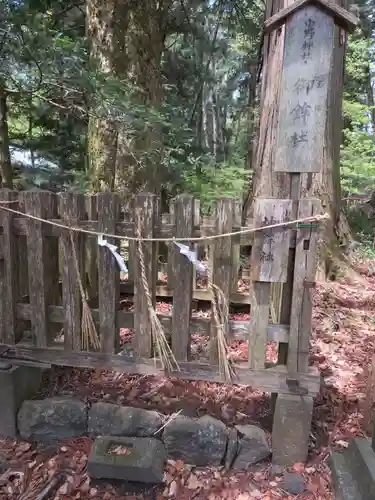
(163, 350)
(220, 312)
(89, 333)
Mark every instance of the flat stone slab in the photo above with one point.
(130, 459)
(353, 471)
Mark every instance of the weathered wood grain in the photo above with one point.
(40, 204)
(238, 330)
(222, 262)
(126, 229)
(72, 208)
(91, 249)
(269, 255)
(304, 280)
(183, 280)
(109, 274)
(146, 207)
(258, 326)
(341, 16)
(303, 112)
(266, 380)
(236, 249)
(171, 247)
(9, 290)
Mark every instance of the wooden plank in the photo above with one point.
(258, 327)
(341, 16)
(23, 273)
(171, 247)
(146, 207)
(265, 380)
(236, 249)
(72, 208)
(183, 284)
(304, 279)
(129, 214)
(40, 204)
(126, 229)
(222, 263)
(287, 292)
(91, 249)
(303, 112)
(10, 294)
(109, 274)
(238, 330)
(201, 294)
(197, 213)
(269, 256)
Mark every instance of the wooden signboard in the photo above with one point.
(303, 111)
(269, 255)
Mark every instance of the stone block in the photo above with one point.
(291, 429)
(52, 419)
(17, 383)
(198, 442)
(353, 471)
(106, 419)
(345, 486)
(128, 459)
(253, 446)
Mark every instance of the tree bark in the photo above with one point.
(139, 161)
(5, 161)
(107, 23)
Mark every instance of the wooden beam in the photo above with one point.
(265, 380)
(341, 16)
(238, 330)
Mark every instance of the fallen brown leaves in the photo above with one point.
(342, 348)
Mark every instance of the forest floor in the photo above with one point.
(342, 348)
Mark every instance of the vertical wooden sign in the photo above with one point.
(308, 54)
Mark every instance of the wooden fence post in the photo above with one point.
(146, 209)
(43, 275)
(183, 280)
(109, 274)
(72, 209)
(9, 269)
(222, 261)
(269, 258)
(303, 283)
(91, 250)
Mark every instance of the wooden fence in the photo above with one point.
(41, 305)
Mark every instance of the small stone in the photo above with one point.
(52, 419)
(253, 446)
(232, 448)
(293, 483)
(276, 470)
(110, 419)
(198, 442)
(139, 460)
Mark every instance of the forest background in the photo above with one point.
(160, 96)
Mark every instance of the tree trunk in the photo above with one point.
(107, 23)
(5, 161)
(139, 161)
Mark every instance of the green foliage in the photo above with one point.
(358, 148)
(213, 181)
